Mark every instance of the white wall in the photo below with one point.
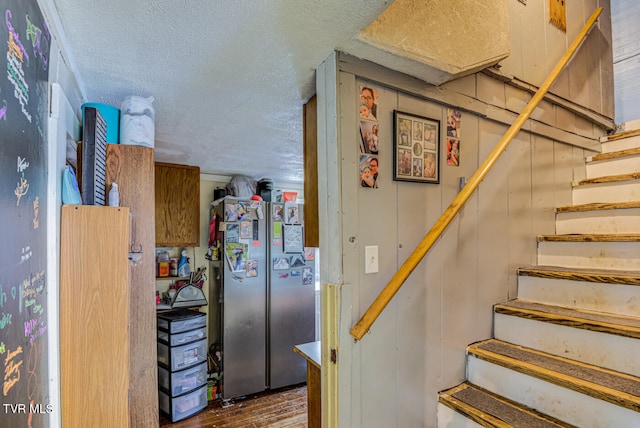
(417, 346)
(626, 58)
(63, 126)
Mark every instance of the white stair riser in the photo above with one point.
(597, 255)
(562, 403)
(622, 144)
(620, 191)
(449, 418)
(612, 298)
(615, 221)
(600, 349)
(615, 166)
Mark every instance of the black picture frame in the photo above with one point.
(416, 148)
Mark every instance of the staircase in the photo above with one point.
(566, 352)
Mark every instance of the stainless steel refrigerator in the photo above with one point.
(265, 289)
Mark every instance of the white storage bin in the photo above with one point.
(182, 357)
(182, 320)
(182, 338)
(177, 383)
(182, 407)
(137, 121)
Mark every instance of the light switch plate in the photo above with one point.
(371, 259)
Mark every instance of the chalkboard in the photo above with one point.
(23, 200)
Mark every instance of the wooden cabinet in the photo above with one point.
(94, 316)
(132, 167)
(177, 205)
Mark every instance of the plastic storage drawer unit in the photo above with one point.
(182, 338)
(181, 320)
(176, 383)
(182, 357)
(182, 407)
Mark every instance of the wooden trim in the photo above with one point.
(614, 155)
(598, 207)
(610, 179)
(585, 320)
(622, 135)
(600, 276)
(589, 238)
(330, 298)
(310, 155)
(385, 296)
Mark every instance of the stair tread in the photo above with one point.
(621, 325)
(590, 237)
(610, 178)
(598, 207)
(491, 410)
(605, 276)
(621, 135)
(614, 387)
(614, 155)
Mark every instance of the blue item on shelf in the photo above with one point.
(111, 116)
(70, 191)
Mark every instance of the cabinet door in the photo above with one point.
(94, 316)
(177, 205)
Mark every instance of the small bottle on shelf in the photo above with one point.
(114, 196)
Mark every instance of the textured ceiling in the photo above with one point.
(229, 77)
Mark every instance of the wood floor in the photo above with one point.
(284, 408)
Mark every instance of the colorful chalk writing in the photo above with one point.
(36, 211)
(39, 41)
(24, 88)
(16, 55)
(21, 189)
(12, 365)
(22, 164)
(15, 36)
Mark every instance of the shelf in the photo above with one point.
(175, 278)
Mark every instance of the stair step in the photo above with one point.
(622, 141)
(619, 325)
(591, 289)
(581, 394)
(621, 135)
(607, 340)
(614, 155)
(598, 207)
(613, 163)
(490, 410)
(606, 251)
(605, 276)
(610, 218)
(607, 189)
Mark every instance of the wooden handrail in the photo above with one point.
(385, 296)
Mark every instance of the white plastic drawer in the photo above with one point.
(181, 320)
(182, 338)
(182, 357)
(176, 383)
(182, 407)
